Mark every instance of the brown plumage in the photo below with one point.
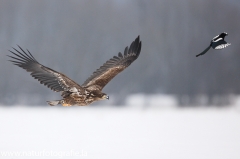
(73, 93)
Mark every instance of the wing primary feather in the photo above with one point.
(115, 57)
(126, 51)
(22, 55)
(29, 57)
(17, 54)
(15, 62)
(22, 58)
(46, 76)
(120, 55)
(139, 48)
(26, 61)
(114, 66)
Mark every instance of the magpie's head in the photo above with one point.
(223, 34)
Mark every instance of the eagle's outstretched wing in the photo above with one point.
(54, 80)
(114, 66)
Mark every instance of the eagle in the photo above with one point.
(72, 93)
(217, 43)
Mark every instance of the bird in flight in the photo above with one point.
(71, 92)
(217, 43)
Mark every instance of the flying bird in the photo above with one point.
(217, 43)
(71, 92)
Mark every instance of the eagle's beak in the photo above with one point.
(105, 97)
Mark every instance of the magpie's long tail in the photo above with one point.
(204, 52)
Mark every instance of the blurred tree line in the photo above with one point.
(77, 37)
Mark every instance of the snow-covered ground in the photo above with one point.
(97, 132)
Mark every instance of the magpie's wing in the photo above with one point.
(220, 45)
(113, 67)
(204, 52)
(54, 80)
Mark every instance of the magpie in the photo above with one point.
(217, 43)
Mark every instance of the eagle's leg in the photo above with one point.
(66, 102)
(66, 105)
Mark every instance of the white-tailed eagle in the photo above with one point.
(71, 92)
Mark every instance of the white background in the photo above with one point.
(122, 133)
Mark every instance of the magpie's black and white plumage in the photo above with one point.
(217, 43)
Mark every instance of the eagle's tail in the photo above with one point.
(54, 102)
(204, 52)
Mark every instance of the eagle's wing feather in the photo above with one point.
(54, 80)
(112, 67)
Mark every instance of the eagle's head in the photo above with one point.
(98, 95)
(105, 96)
